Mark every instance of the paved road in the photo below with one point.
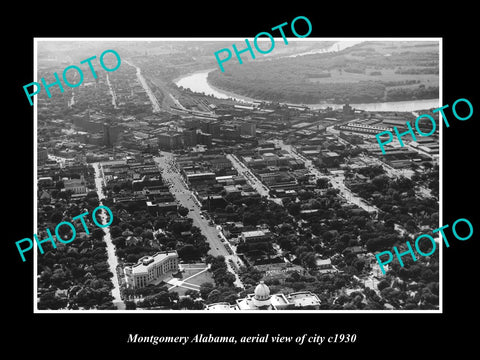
(421, 192)
(168, 99)
(184, 197)
(151, 96)
(114, 98)
(337, 182)
(252, 180)
(112, 258)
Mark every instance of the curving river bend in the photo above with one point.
(198, 82)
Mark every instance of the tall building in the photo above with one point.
(248, 128)
(230, 131)
(151, 269)
(110, 134)
(190, 137)
(170, 140)
(214, 128)
(204, 139)
(348, 112)
(42, 155)
(191, 123)
(86, 124)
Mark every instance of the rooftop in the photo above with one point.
(221, 306)
(304, 298)
(200, 174)
(145, 262)
(253, 233)
(276, 301)
(321, 262)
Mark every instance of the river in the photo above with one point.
(198, 82)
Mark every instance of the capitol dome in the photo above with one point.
(262, 295)
(262, 292)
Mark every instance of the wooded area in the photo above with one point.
(360, 74)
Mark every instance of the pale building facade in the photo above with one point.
(151, 269)
(262, 300)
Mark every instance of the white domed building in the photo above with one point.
(262, 300)
(261, 297)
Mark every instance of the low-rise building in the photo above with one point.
(304, 299)
(221, 306)
(325, 266)
(261, 299)
(77, 186)
(255, 236)
(151, 269)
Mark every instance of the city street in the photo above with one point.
(114, 98)
(421, 191)
(252, 180)
(112, 258)
(337, 183)
(151, 96)
(185, 198)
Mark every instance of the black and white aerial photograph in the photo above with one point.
(261, 187)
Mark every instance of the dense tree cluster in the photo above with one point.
(219, 270)
(430, 176)
(331, 230)
(414, 286)
(159, 298)
(224, 289)
(414, 93)
(140, 233)
(74, 275)
(344, 77)
(254, 211)
(398, 200)
(250, 276)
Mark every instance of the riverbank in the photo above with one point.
(198, 82)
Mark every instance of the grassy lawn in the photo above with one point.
(190, 272)
(201, 278)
